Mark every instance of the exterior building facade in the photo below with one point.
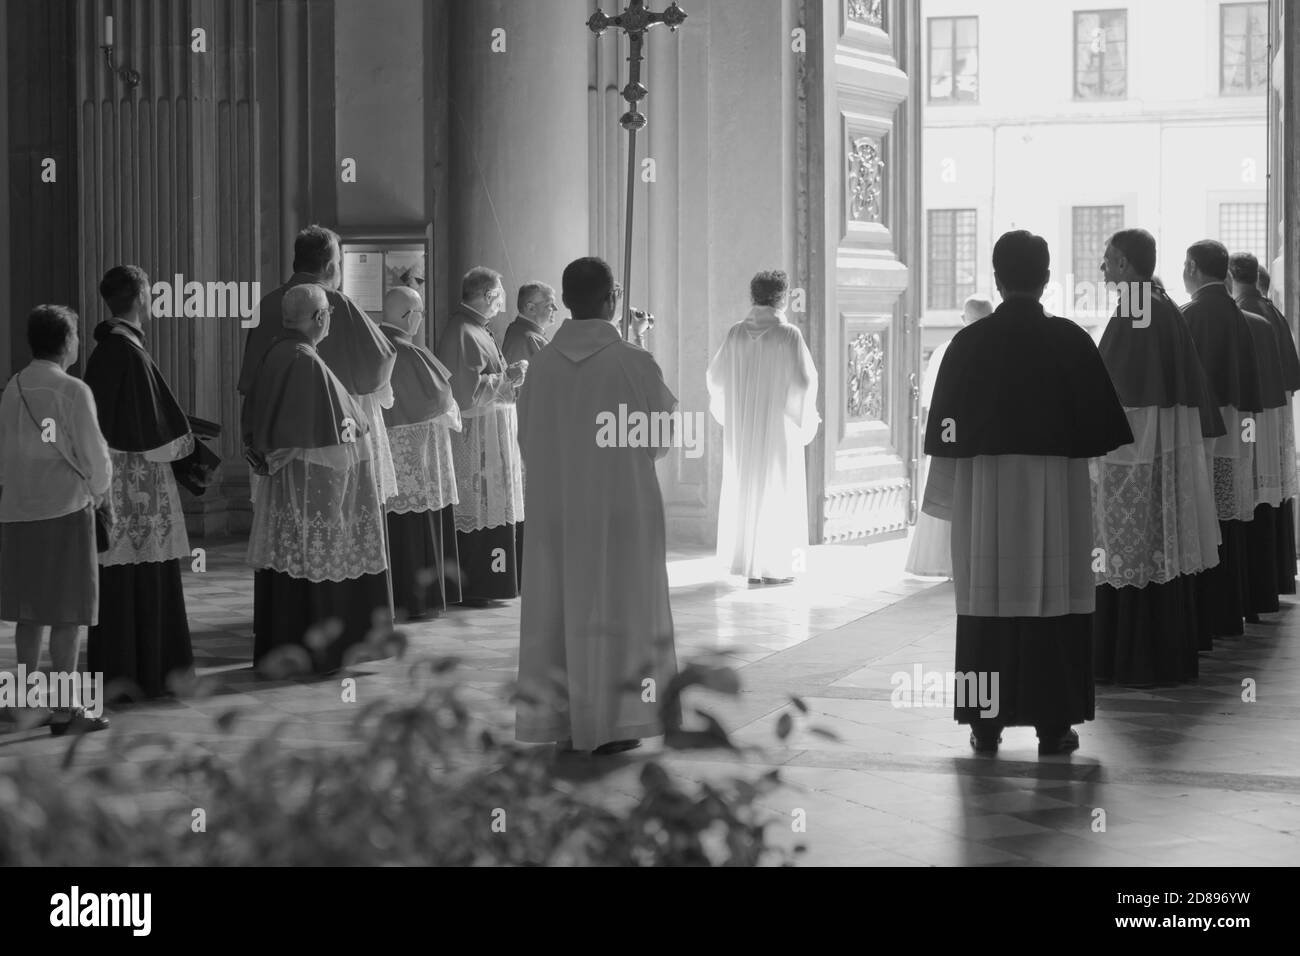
(1073, 120)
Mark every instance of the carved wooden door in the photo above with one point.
(863, 121)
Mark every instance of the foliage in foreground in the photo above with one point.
(422, 784)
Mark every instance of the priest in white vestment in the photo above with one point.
(317, 540)
(763, 392)
(929, 555)
(595, 629)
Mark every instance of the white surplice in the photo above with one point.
(595, 623)
(930, 552)
(763, 392)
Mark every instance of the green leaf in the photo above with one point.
(799, 703)
(825, 733)
(784, 724)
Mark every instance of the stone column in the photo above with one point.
(517, 127)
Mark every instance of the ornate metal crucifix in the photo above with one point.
(635, 21)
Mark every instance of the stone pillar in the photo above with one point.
(166, 181)
(517, 127)
(1289, 63)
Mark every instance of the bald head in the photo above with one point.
(403, 309)
(301, 305)
(977, 307)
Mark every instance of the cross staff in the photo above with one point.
(635, 21)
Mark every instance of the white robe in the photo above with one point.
(595, 623)
(763, 392)
(930, 551)
(1022, 533)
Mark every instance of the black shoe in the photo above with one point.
(755, 582)
(984, 744)
(1064, 743)
(771, 581)
(78, 724)
(616, 747)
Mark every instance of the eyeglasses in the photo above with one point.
(550, 306)
(419, 312)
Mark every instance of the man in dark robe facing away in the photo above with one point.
(1153, 499)
(1248, 288)
(486, 450)
(142, 639)
(1227, 352)
(320, 579)
(355, 351)
(1021, 403)
(421, 516)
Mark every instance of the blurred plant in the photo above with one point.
(423, 783)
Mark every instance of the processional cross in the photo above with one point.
(635, 21)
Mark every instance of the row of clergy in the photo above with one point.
(1156, 511)
(367, 452)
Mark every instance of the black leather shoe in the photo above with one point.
(616, 747)
(984, 745)
(79, 724)
(1067, 742)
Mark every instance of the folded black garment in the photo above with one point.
(199, 469)
(202, 428)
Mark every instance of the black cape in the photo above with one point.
(1020, 382)
(1260, 304)
(354, 350)
(421, 384)
(296, 401)
(524, 338)
(1269, 362)
(1227, 351)
(1158, 365)
(137, 410)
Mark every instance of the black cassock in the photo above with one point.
(1157, 520)
(321, 581)
(1260, 304)
(143, 635)
(421, 517)
(1227, 351)
(1021, 403)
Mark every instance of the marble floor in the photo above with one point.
(1190, 775)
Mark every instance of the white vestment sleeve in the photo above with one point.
(939, 483)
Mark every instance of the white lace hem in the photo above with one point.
(426, 475)
(318, 523)
(148, 518)
(485, 457)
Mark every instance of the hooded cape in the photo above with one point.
(296, 401)
(137, 410)
(1224, 343)
(359, 356)
(421, 384)
(1157, 365)
(1020, 382)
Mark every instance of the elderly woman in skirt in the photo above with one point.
(54, 467)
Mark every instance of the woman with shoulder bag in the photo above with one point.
(54, 469)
